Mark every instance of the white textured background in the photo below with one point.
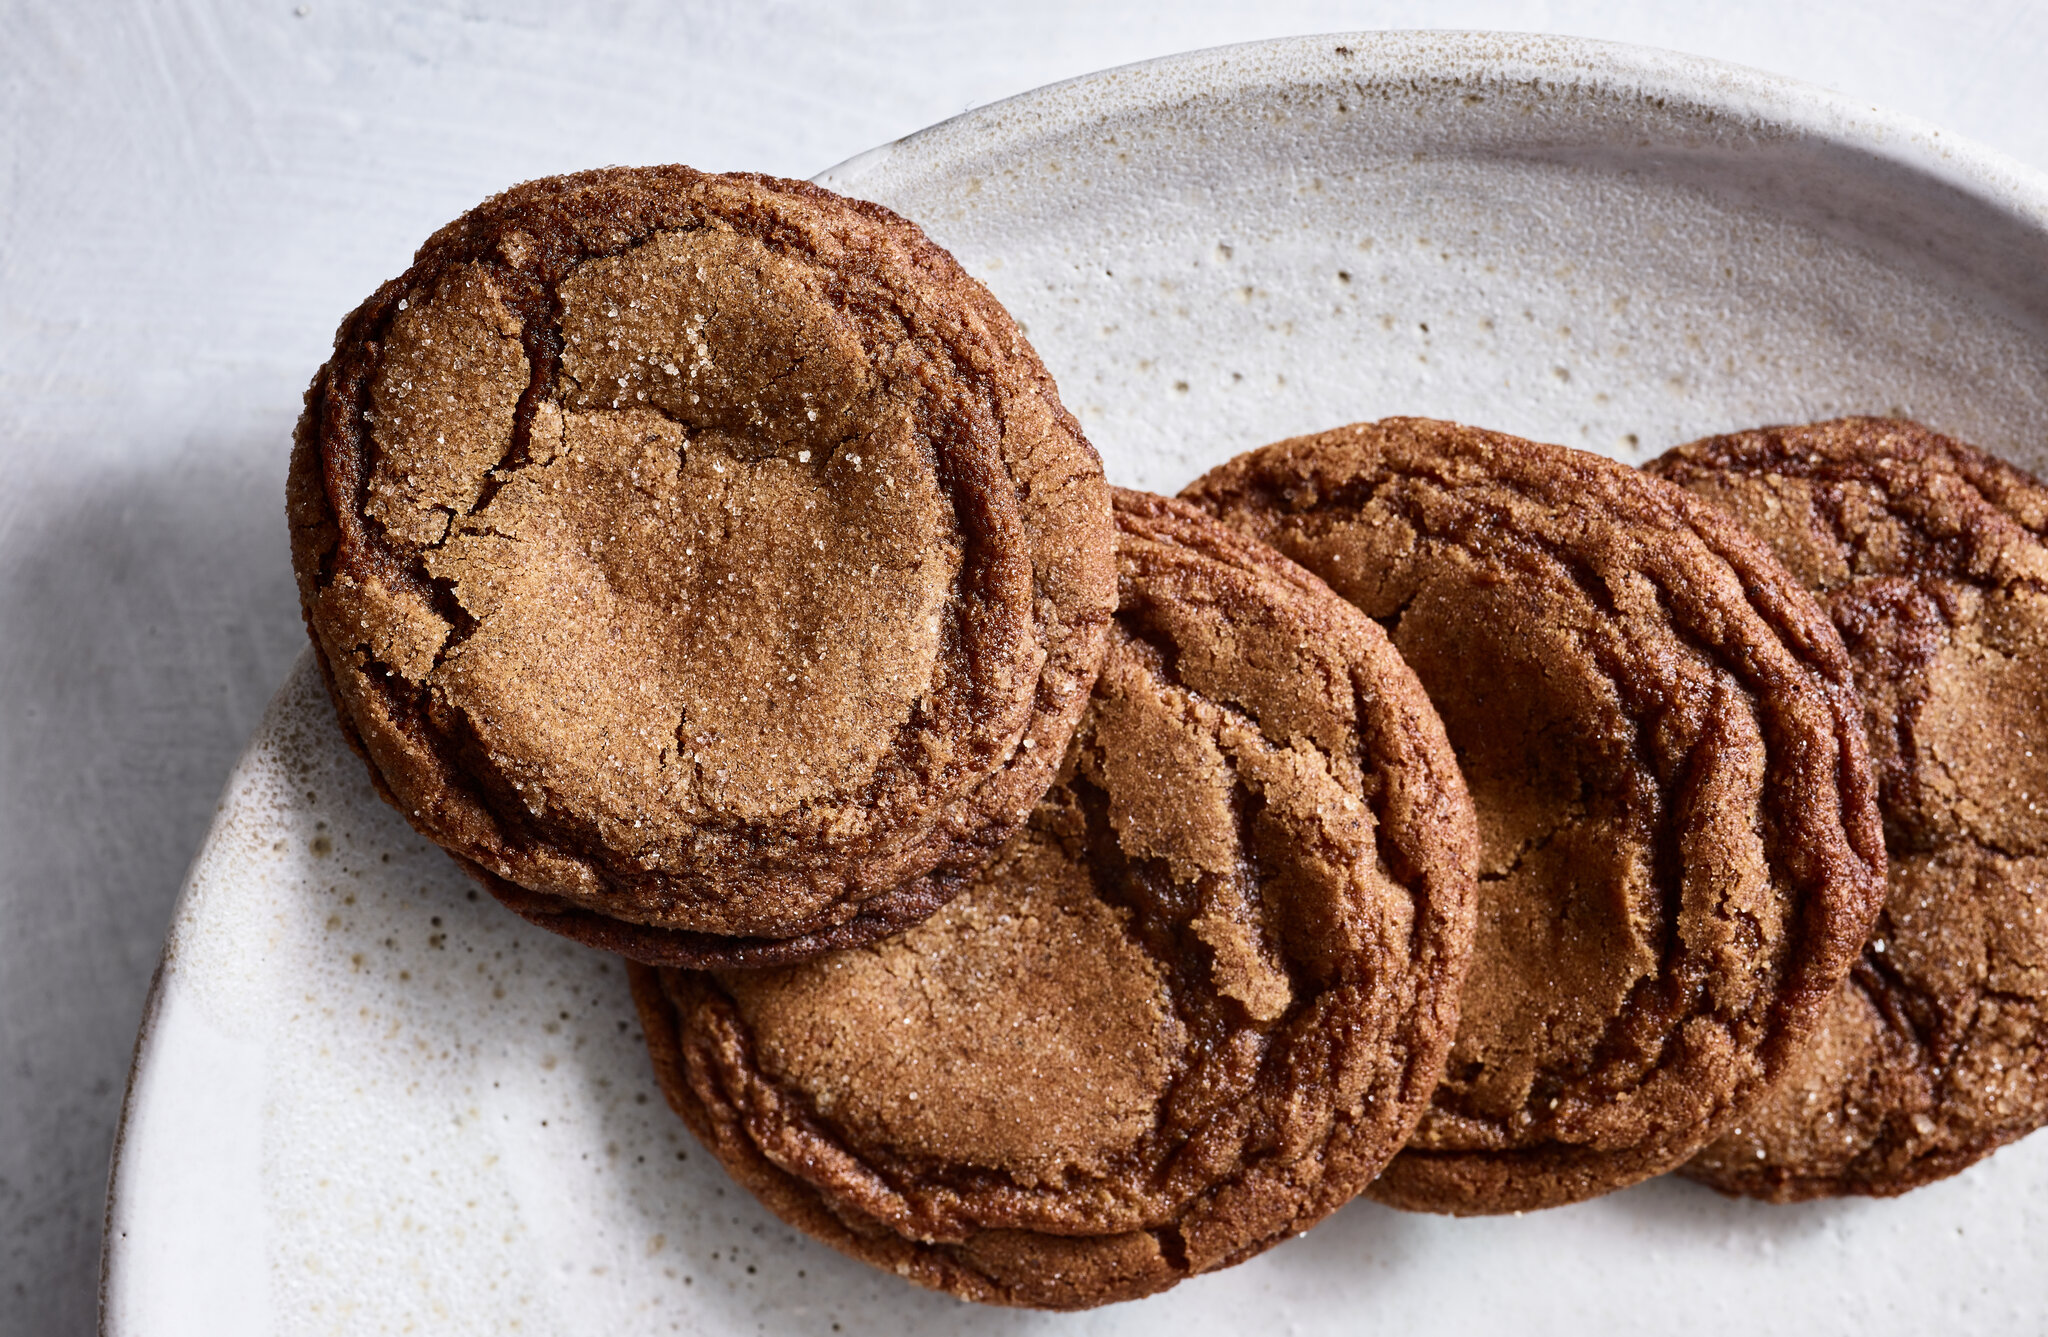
(192, 193)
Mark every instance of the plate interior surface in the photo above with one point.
(366, 1100)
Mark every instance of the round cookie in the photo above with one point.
(1189, 1011)
(1930, 557)
(705, 561)
(1679, 844)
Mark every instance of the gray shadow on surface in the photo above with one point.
(1688, 1215)
(146, 624)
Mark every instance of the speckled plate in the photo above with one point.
(364, 1100)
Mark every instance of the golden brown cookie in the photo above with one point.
(1189, 1011)
(1929, 555)
(705, 561)
(1679, 844)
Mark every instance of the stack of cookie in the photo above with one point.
(1047, 891)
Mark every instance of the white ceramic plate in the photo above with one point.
(366, 1101)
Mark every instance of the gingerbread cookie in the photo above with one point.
(1679, 844)
(1190, 1010)
(1929, 555)
(705, 561)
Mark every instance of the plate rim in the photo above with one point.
(1481, 56)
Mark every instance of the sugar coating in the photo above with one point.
(1191, 1009)
(920, 1043)
(1929, 556)
(705, 561)
(1678, 845)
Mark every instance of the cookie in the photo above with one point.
(1929, 555)
(1189, 1011)
(1679, 843)
(705, 561)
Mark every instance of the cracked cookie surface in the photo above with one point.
(1191, 1009)
(1679, 850)
(1930, 557)
(706, 562)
